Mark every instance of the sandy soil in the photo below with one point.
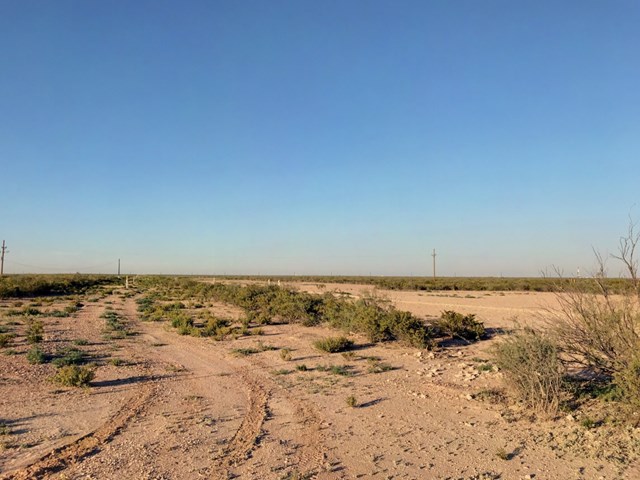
(183, 407)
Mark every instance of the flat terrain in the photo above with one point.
(271, 406)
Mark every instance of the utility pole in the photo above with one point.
(4, 249)
(118, 267)
(434, 263)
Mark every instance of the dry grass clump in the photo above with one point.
(532, 369)
(333, 344)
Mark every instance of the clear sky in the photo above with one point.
(344, 137)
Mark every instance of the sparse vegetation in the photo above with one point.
(282, 371)
(244, 352)
(69, 356)
(15, 286)
(6, 339)
(333, 344)
(343, 370)
(352, 401)
(115, 325)
(376, 366)
(285, 354)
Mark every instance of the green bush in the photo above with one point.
(333, 344)
(462, 326)
(627, 383)
(35, 331)
(215, 327)
(6, 339)
(74, 376)
(69, 356)
(532, 369)
(36, 356)
(31, 311)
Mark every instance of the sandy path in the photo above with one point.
(213, 416)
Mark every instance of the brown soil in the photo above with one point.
(183, 407)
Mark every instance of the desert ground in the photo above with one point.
(271, 406)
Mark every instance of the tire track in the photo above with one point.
(62, 457)
(310, 457)
(248, 434)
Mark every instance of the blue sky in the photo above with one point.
(344, 137)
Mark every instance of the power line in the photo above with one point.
(4, 249)
(434, 263)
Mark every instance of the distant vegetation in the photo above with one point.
(370, 316)
(16, 286)
(495, 284)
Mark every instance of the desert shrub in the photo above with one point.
(285, 354)
(74, 376)
(343, 370)
(462, 326)
(282, 371)
(35, 331)
(532, 369)
(181, 320)
(294, 307)
(69, 356)
(597, 331)
(627, 383)
(6, 339)
(73, 308)
(116, 326)
(598, 325)
(370, 319)
(376, 366)
(145, 303)
(36, 356)
(333, 344)
(408, 329)
(244, 352)
(216, 327)
(352, 401)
